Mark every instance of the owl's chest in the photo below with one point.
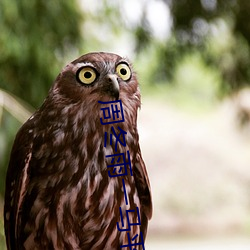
(83, 186)
(113, 208)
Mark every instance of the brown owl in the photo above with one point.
(65, 188)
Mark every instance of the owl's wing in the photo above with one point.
(16, 182)
(143, 185)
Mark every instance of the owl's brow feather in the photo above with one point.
(77, 66)
(102, 66)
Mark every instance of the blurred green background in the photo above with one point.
(192, 60)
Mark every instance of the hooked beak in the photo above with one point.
(114, 85)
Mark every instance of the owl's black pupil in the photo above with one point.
(87, 75)
(123, 71)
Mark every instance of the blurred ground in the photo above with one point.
(205, 244)
(198, 166)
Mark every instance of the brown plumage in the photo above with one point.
(58, 192)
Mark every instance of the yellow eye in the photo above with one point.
(123, 71)
(86, 75)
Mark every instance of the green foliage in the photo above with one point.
(196, 23)
(34, 37)
(231, 56)
(218, 30)
(193, 85)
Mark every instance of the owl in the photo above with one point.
(59, 191)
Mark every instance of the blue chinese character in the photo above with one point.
(118, 163)
(113, 113)
(117, 137)
(128, 221)
(130, 244)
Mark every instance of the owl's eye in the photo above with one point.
(86, 75)
(123, 71)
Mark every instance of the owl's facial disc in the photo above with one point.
(114, 85)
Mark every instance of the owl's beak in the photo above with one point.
(114, 85)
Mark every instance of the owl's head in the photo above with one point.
(98, 77)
